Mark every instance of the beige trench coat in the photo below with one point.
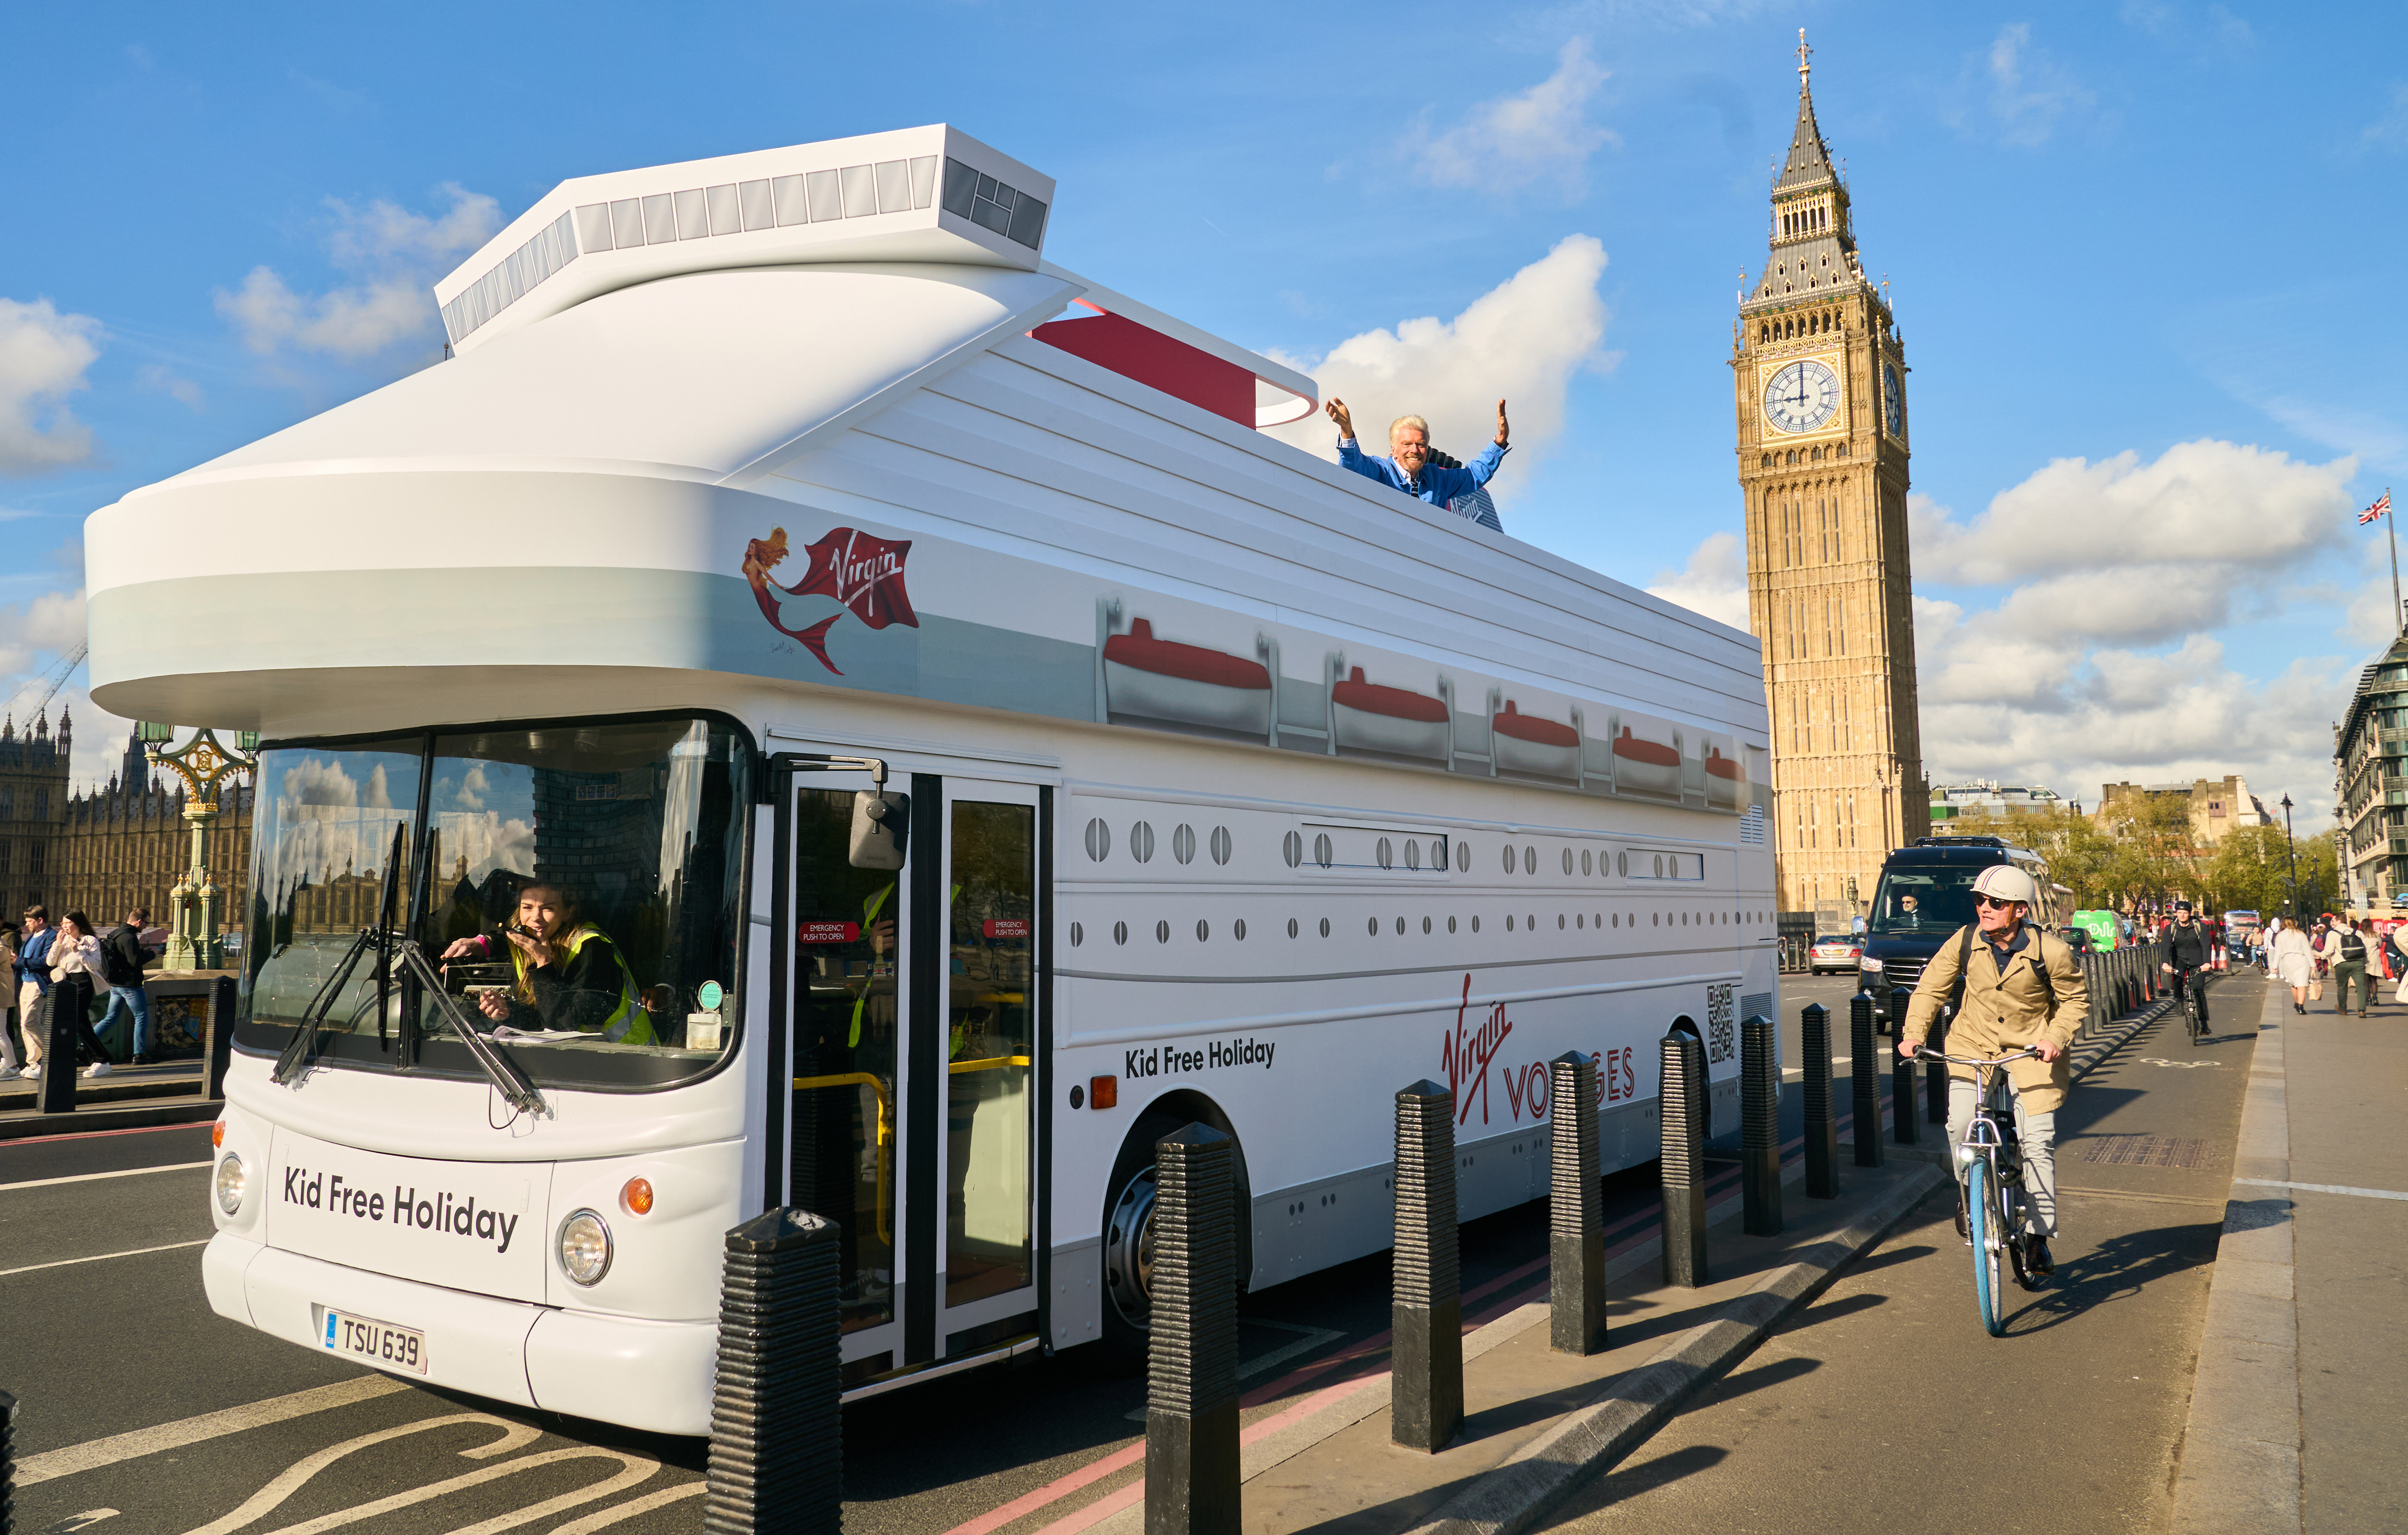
(2003, 1013)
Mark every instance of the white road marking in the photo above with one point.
(604, 1518)
(633, 1469)
(94, 1454)
(89, 1177)
(2153, 1060)
(291, 1480)
(2325, 1188)
(85, 1520)
(103, 1257)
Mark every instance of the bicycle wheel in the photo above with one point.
(1981, 1217)
(2191, 1015)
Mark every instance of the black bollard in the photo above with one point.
(1426, 1385)
(1865, 1071)
(217, 1042)
(1822, 1115)
(1759, 1127)
(1935, 1074)
(1191, 1374)
(1680, 1116)
(57, 1095)
(1901, 1074)
(1575, 1209)
(777, 1430)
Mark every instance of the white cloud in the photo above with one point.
(43, 355)
(2389, 129)
(394, 255)
(1543, 134)
(1715, 584)
(1522, 340)
(168, 381)
(2031, 92)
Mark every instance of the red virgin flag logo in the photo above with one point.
(859, 573)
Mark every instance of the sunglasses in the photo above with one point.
(1993, 901)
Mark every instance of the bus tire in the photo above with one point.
(1128, 1225)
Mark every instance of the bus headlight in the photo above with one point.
(230, 1183)
(585, 1247)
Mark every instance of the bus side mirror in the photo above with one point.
(880, 822)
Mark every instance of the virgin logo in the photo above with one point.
(1468, 1054)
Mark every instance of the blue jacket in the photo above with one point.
(1436, 486)
(32, 960)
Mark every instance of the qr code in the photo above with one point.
(1720, 1039)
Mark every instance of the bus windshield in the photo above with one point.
(1931, 899)
(576, 885)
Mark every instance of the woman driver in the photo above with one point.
(569, 974)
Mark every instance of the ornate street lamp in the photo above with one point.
(203, 763)
(2294, 848)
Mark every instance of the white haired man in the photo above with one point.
(2021, 987)
(1408, 465)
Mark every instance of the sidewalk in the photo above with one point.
(2298, 1415)
(130, 1096)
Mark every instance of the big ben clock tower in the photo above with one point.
(1823, 432)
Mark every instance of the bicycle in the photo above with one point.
(1993, 1160)
(2194, 1012)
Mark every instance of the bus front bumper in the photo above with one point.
(642, 1374)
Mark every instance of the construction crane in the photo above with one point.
(55, 676)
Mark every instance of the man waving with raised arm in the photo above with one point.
(1408, 468)
(2021, 987)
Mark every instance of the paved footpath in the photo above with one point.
(2300, 1420)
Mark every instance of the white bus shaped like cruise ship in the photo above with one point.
(1223, 786)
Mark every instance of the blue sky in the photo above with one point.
(2153, 239)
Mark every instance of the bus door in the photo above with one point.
(910, 1120)
(988, 994)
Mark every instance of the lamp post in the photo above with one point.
(2294, 849)
(203, 763)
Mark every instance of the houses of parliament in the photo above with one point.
(1819, 372)
(107, 850)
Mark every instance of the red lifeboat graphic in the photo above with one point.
(1527, 744)
(1647, 766)
(1185, 684)
(1373, 717)
(1726, 781)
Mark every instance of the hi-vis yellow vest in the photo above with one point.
(627, 1023)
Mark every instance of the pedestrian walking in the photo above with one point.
(75, 977)
(33, 985)
(121, 957)
(12, 1058)
(2350, 957)
(2293, 963)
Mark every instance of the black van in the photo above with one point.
(1925, 895)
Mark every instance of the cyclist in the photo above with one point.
(2020, 987)
(2185, 950)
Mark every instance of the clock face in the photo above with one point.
(1802, 396)
(1893, 400)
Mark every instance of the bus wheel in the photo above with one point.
(1128, 1226)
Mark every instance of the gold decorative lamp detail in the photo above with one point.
(203, 763)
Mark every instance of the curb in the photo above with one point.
(1543, 1473)
(188, 1111)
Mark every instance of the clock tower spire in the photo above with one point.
(1819, 369)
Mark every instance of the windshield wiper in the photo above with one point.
(507, 1078)
(303, 1047)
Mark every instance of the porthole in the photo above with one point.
(1509, 925)
(1292, 848)
(1220, 845)
(1595, 920)
(1099, 840)
(1291, 927)
(1617, 919)
(1400, 927)
(1533, 920)
(1120, 932)
(1622, 865)
(1182, 844)
(1450, 925)
(1237, 929)
(1529, 859)
(1438, 855)
(1651, 919)
(1508, 860)
(1323, 853)
(1372, 926)
(1412, 854)
(1567, 861)
(1660, 860)
(1078, 935)
(1581, 920)
(1325, 927)
(1203, 931)
(1583, 863)
(1141, 842)
(1387, 853)
(1559, 922)
(1475, 925)
(1426, 927)
(1161, 932)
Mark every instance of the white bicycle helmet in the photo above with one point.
(2006, 882)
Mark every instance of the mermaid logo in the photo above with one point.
(847, 571)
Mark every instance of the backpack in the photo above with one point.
(115, 967)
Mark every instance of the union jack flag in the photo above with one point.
(2382, 505)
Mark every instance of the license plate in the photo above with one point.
(375, 1342)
